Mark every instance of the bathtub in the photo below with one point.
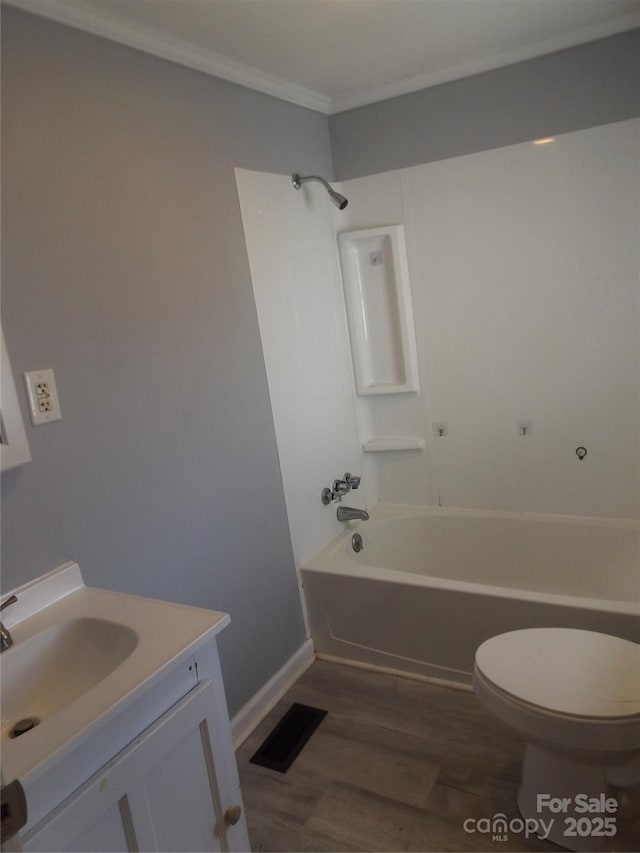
(431, 584)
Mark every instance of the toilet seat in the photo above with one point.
(539, 681)
(565, 671)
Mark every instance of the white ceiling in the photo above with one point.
(333, 55)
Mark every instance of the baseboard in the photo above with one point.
(257, 708)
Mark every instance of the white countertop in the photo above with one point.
(167, 635)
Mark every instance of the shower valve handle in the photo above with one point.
(340, 487)
(352, 480)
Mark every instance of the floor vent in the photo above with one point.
(281, 748)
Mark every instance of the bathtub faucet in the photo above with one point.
(350, 513)
(339, 488)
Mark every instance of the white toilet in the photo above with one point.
(574, 696)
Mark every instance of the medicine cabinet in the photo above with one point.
(14, 448)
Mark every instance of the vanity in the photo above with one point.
(114, 720)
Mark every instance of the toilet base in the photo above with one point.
(562, 778)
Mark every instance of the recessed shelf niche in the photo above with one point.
(375, 276)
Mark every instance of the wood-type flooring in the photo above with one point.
(397, 764)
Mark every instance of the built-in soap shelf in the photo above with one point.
(375, 276)
(381, 445)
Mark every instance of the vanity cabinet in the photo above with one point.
(167, 790)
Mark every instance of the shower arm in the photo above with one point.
(339, 200)
(298, 181)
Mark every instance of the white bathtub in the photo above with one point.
(432, 584)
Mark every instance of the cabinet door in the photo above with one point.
(161, 793)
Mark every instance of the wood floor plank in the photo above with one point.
(370, 765)
(499, 783)
(293, 795)
(273, 834)
(374, 823)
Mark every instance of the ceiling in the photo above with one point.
(333, 55)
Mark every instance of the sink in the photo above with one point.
(91, 668)
(55, 667)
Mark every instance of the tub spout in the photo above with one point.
(349, 513)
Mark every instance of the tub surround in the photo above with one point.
(522, 264)
(523, 268)
(298, 293)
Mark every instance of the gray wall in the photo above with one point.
(124, 269)
(584, 86)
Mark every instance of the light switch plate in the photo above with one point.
(44, 404)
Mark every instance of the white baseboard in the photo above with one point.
(257, 708)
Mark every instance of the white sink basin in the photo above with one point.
(83, 659)
(56, 666)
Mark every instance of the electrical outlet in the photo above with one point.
(42, 394)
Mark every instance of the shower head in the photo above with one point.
(339, 200)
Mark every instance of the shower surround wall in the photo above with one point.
(298, 293)
(524, 268)
(523, 265)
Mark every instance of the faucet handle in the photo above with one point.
(352, 480)
(340, 487)
(11, 600)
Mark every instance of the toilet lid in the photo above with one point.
(581, 673)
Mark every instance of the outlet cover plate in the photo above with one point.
(42, 394)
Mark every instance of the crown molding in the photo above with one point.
(425, 80)
(111, 26)
(132, 34)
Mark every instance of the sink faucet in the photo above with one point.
(350, 513)
(6, 640)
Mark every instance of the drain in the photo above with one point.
(24, 726)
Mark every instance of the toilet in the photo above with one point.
(574, 696)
